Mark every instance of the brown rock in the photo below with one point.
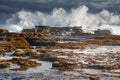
(24, 64)
(26, 52)
(2, 52)
(4, 65)
(64, 65)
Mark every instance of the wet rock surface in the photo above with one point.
(23, 63)
(93, 59)
(2, 52)
(64, 65)
(4, 65)
(76, 64)
(25, 53)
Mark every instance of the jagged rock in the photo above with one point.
(5, 64)
(19, 52)
(103, 42)
(94, 78)
(6, 46)
(3, 31)
(10, 44)
(24, 64)
(20, 43)
(47, 57)
(26, 52)
(2, 52)
(102, 32)
(40, 41)
(112, 67)
(64, 65)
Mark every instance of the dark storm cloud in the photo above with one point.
(41, 5)
(47, 5)
(8, 7)
(16, 15)
(99, 5)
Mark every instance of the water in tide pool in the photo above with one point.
(45, 72)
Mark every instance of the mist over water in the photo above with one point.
(61, 18)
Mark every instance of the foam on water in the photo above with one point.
(60, 17)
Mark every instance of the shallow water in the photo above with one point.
(45, 72)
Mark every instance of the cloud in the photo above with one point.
(104, 3)
(42, 1)
(48, 5)
(18, 14)
(59, 17)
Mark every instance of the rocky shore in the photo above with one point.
(40, 56)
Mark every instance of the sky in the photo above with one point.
(8, 7)
(12, 12)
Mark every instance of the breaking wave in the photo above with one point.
(61, 18)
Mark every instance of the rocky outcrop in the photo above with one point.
(69, 45)
(4, 65)
(3, 31)
(10, 44)
(2, 52)
(10, 35)
(25, 52)
(104, 42)
(40, 42)
(20, 43)
(23, 63)
(7, 46)
(64, 64)
(48, 57)
(102, 32)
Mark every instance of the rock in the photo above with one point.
(40, 42)
(94, 78)
(22, 68)
(4, 65)
(26, 52)
(64, 65)
(3, 31)
(19, 52)
(6, 46)
(9, 44)
(109, 67)
(24, 64)
(102, 32)
(30, 53)
(104, 42)
(2, 52)
(112, 67)
(20, 43)
(47, 57)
